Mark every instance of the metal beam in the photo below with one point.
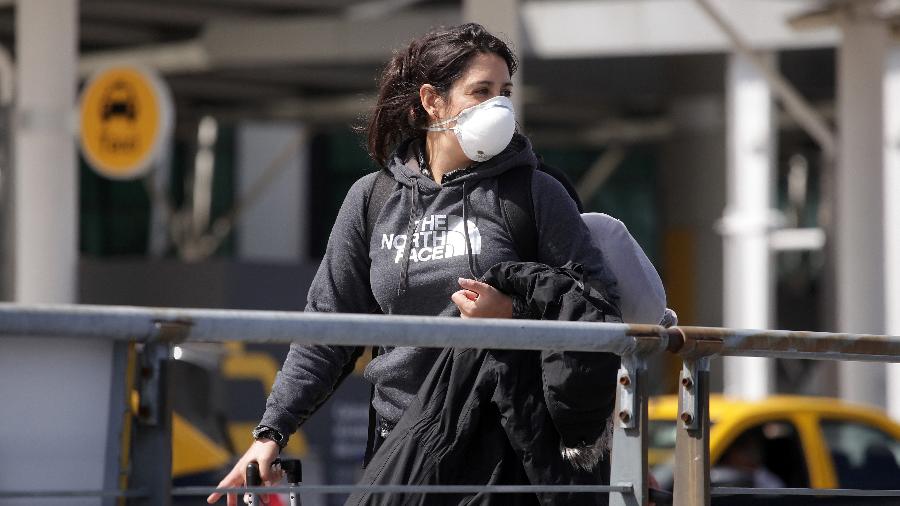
(171, 14)
(549, 29)
(76, 322)
(105, 32)
(334, 78)
(227, 43)
(316, 39)
(374, 9)
(833, 13)
(147, 324)
(289, 4)
(190, 56)
(586, 28)
(615, 131)
(213, 88)
(795, 104)
(599, 172)
(328, 111)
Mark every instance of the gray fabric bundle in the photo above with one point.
(642, 298)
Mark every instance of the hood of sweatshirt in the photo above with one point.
(405, 168)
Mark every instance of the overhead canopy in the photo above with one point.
(318, 59)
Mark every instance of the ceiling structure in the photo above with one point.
(318, 60)
(229, 88)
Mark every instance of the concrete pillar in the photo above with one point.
(859, 203)
(54, 393)
(46, 179)
(501, 17)
(748, 289)
(892, 217)
(7, 220)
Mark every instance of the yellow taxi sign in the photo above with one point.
(125, 117)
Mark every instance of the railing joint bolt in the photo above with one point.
(172, 331)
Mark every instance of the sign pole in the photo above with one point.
(157, 184)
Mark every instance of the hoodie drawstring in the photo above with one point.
(411, 228)
(465, 218)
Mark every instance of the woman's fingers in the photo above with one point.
(265, 468)
(463, 302)
(238, 481)
(231, 480)
(215, 496)
(264, 453)
(481, 300)
(475, 286)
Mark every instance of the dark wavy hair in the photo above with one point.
(438, 58)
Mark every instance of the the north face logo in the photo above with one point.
(437, 236)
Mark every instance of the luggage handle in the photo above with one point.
(292, 468)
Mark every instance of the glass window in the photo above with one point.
(768, 455)
(661, 434)
(864, 457)
(661, 454)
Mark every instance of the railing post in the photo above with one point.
(629, 451)
(629, 448)
(118, 432)
(151, 455)
(692, 436)
(692, 433)
(151, 458)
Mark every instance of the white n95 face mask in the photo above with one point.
(483, 130)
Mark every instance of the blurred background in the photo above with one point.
(752, 147)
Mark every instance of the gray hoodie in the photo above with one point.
(425, 238)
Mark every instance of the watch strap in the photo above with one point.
(266, 432)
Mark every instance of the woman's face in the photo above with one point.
(486, 77)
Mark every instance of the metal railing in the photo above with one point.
(158, 330)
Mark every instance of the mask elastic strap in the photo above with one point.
(439, 126)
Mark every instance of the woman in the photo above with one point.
(443, 126)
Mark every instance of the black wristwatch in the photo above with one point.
(266, 432)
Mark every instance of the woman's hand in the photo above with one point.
(264, 452)
(481, 300)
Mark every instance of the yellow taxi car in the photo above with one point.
(785, 441)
